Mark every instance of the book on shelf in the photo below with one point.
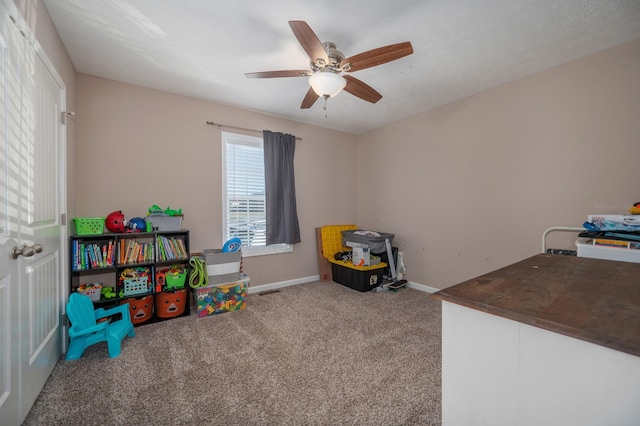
(165, 248)
(182, 248)
(129, 249)
(171, 248)
(90, 256)
(136, 252)
(97, 254)
(110, 253)
(85, 258)
(75, 260)
(168, 249)
(133, 252)
(174, 250)
(161, 254)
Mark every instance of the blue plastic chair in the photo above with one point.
(86, 329)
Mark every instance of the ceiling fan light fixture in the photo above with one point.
(327, 84)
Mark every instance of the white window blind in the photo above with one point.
(244, 189)
(243, 195)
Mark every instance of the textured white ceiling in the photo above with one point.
(202, 48)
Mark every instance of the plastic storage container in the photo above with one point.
(89, 225)
(587, 249)
(377, 243)
(133, 286)
(360, 278)
(93, 290)
(140, 308)
(223, 297)
(175, 280)
(357, 279)
(165, 223)
(222, 267)
(171, 304)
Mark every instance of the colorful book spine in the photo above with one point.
(97, 254)
(168, 251)
(181, 248)
(110, 253)
(75, 259)
(161, 253)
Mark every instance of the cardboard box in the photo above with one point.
(222, 267)
(361, 255)
(223, 297)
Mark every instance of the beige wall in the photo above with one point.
(470, 187)
(466, 188)
(137, 147)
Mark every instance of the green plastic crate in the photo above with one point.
(89, 225)
(175, 280)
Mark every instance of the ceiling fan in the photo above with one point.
(327, 62)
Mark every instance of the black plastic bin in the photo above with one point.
(356, 279)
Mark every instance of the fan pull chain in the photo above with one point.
(325, 106)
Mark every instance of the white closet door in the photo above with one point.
(10, 104)
(41, 283)
(32, 199)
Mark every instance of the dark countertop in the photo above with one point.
(589, 299)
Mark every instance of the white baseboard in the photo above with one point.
(282, 284)
(422, 287)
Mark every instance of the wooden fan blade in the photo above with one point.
(378, 56)
(309, 41)
(361, 90)
(309, 99)
(282, 73)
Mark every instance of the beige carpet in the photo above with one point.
(311, 354)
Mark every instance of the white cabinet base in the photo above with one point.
(496, 371)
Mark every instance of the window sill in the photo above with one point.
(266, 250)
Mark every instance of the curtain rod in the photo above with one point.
(240, 128)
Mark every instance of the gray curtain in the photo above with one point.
(280, 188)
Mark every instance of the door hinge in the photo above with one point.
(63, 219)
(17, 27)
(63, 319)
(65, 114)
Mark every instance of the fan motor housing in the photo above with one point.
(335, 57)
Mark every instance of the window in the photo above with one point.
(243, 199)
